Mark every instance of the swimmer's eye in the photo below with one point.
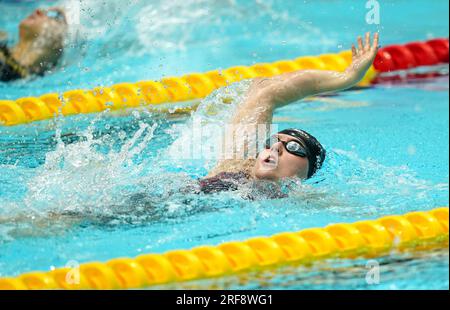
(295, 148)
(292, 146)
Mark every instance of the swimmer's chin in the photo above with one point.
(265, 174)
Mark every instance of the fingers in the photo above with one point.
(360, 44)
(367, 43)
(367, 47)
(375, 40)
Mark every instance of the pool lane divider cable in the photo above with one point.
(162, 95)
(421, 230)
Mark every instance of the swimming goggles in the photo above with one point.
(293, 147)
(56, 15)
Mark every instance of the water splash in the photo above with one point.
(168, 25)
(203, 132)
(79, 175)
(110, 178)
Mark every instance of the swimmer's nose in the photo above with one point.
(278, 148)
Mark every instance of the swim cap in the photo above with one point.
(316, 152)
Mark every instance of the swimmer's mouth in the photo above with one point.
(270, 161)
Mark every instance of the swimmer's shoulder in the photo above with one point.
(233, 166)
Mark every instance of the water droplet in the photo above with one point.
(122, 135)
(411, 150)
(136, 114)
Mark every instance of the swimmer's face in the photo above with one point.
(276, 162)
(49, 25)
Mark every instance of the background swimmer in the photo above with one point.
(40, 46)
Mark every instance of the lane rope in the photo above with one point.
(195, 86)
(370, 238)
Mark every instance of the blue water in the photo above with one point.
(75, 189)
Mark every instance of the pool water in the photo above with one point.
(96, 187)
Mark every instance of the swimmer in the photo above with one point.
(291, 152)
(40, 46)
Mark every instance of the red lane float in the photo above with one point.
(424, 54)
(412, 55)
(440, 47)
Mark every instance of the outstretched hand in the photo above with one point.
(364, 55)
(293, 86)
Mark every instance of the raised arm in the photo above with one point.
(293, 86)
(266, 94)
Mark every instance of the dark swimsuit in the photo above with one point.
(224, 181)
(232, 181)
(10, 69)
